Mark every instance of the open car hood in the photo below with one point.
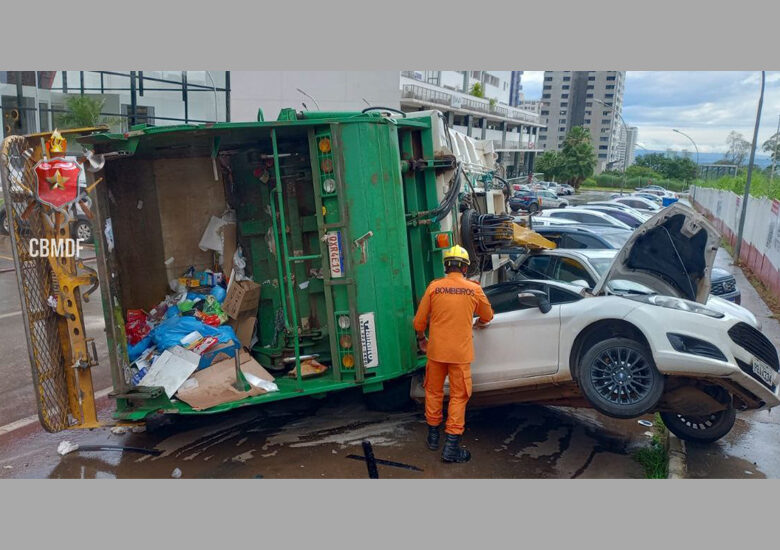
(671, 253)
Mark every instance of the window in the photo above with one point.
(587, 121)
(581, 241)
(545, 96)
(569, 270)
(547, 87)
(609, 95)
(562, 121)
(565, 87)
(604, 138)
(565, 104)
(602, 155)
(143, 115)
(610, 86)
(605, 113)
(612, 77)
(605, 121)
(535, 267)
(566, 78)
(475, 74)
(591, 78)
(548, 79)
(543, 137)
(603, 147)
(587, 112)
(562, 112)
(590, 86)
(589, 96)
(589, 104)
(545, 113)
(562, 129)
(564, 96)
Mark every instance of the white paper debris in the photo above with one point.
(66, 447)
(304, 285)
(192, 337)
(176, 473)
(139, 205)
(109, 232)
(169, 261)
(52, 301)
(119, 430)
(171, 369)
(212, 236)
(258, 382)
(8, 467)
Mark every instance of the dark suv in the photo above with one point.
(529, 201)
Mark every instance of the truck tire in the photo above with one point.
(619, 378)
(394, 397)
(701, 429)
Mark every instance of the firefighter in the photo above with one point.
(447, 309)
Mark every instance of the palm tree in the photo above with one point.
(578, 159)
(82, 112)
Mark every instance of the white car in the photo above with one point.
(638, 203)
(591, 217)
(545, 221)
(632, 219)
(550, 200)
(628, 353)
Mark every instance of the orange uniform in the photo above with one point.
(447, 308)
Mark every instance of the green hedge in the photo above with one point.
(607, 180)
(759, 185)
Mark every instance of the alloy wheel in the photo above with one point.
(621, 376)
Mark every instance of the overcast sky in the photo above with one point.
(706, 105)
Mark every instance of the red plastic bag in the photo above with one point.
(136, 327)
(211, 320)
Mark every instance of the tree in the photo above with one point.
(680, 168)
(637, 171)
(772, 146)
(578, 159)
(476, 90)
(739, 148)
(549, 164)
(83, 112)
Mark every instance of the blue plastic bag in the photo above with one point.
(219, 293)
(170, 332)
(134, 352)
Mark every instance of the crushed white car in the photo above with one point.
(628, 353)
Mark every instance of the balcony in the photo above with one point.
(467, 103)
(516, 145)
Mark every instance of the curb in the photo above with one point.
(678, 455)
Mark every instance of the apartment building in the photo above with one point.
(514, 130)
(632, 134)
(593, 99)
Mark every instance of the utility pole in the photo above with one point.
(774, 155)
(750, 169)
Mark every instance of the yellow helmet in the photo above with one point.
(457, 253)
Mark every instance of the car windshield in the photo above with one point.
(618, 286)
(617, 239)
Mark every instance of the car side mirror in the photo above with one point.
(534, 298)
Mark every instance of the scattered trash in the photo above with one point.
(138, 429)
(748, 472)
(66, 447)
(119, 430)
(368, 452)
(387, 463)
(649, 434)
(176, 473)
(645, 423)
(8, 467)
(309, 368)
(109, 232)
(171, 369)
(52, 301)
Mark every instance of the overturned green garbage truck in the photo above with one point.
(341, 218)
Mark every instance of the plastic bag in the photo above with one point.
(135, 351)
(136, 327)
(212, 307)
(170, 332)
(219, 293)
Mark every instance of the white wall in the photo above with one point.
(333, 90)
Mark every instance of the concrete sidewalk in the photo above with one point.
(750, 450)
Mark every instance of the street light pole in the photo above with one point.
(694, 146)
(750, 169)
(774, 156)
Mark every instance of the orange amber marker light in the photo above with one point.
(442, 240)
(345, 341)
(324, 145)
(348, 361)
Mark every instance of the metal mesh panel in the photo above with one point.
(37, 283)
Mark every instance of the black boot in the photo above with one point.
(433, 437)
(453, 452)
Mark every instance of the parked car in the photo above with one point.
(632, 219)
(638, 203)
(625, 352)
(587, 264)
(543, 221)
(551, 200)
(580, 236)
(591, 217)
(567, 189)
(530, 201)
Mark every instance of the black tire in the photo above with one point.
(4, 225)
(701, 429)
(394, 397)
(82, 229)
(533, 208)
(619, 378)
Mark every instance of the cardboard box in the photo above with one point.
(244, 328)
(214, 386)
(242, 296)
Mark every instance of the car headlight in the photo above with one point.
(677, 303)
